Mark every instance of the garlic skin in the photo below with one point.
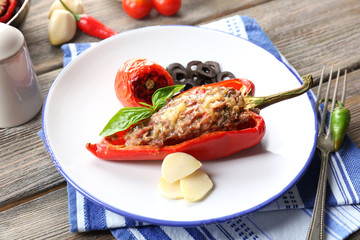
(62, 27)
(74, 5)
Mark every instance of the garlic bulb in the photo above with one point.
(62, 27)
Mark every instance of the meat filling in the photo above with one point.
(190, 115)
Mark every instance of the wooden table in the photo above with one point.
(33, 197)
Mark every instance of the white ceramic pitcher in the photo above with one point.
(20, 97)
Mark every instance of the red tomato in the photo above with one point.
(167, 7)
(138, 79)
(137, 8)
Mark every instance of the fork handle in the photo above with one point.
(316, 228)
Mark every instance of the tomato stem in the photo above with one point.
(150, 84)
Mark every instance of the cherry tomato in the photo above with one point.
(137, 8)
(167, 7)
(138, 79)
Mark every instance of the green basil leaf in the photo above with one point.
(147, 105)
(124, 118)
(162, 94)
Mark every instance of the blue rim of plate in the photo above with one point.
(311, 97)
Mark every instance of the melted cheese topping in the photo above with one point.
(210, 103)
(173, 113)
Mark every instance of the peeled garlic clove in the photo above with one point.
(74, 5)
(170, 190)
(62, 27)
(178, 165)
(195, 186)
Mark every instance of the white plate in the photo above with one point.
(82, 99)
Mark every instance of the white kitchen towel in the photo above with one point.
(287, 217)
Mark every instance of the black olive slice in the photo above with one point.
(214, 65)
(174, 66)
(205, 70)
(193, 65)
(225, 75)
(179, 75)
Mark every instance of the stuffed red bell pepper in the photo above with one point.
(207, 122)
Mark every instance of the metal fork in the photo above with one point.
(325, 145)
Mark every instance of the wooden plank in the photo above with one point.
(45, 217)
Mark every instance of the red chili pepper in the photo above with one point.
(91, 25)
(11, 8)
(138, 79)
(210, 145)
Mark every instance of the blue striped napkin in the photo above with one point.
(287, 217)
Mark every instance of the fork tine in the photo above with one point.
(319, 90)
(335, 91)
(334, 99)
(323, 116)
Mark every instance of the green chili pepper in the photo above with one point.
(340, 120)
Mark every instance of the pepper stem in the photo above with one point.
(76, 16)
(340, 104)
(262, 102)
